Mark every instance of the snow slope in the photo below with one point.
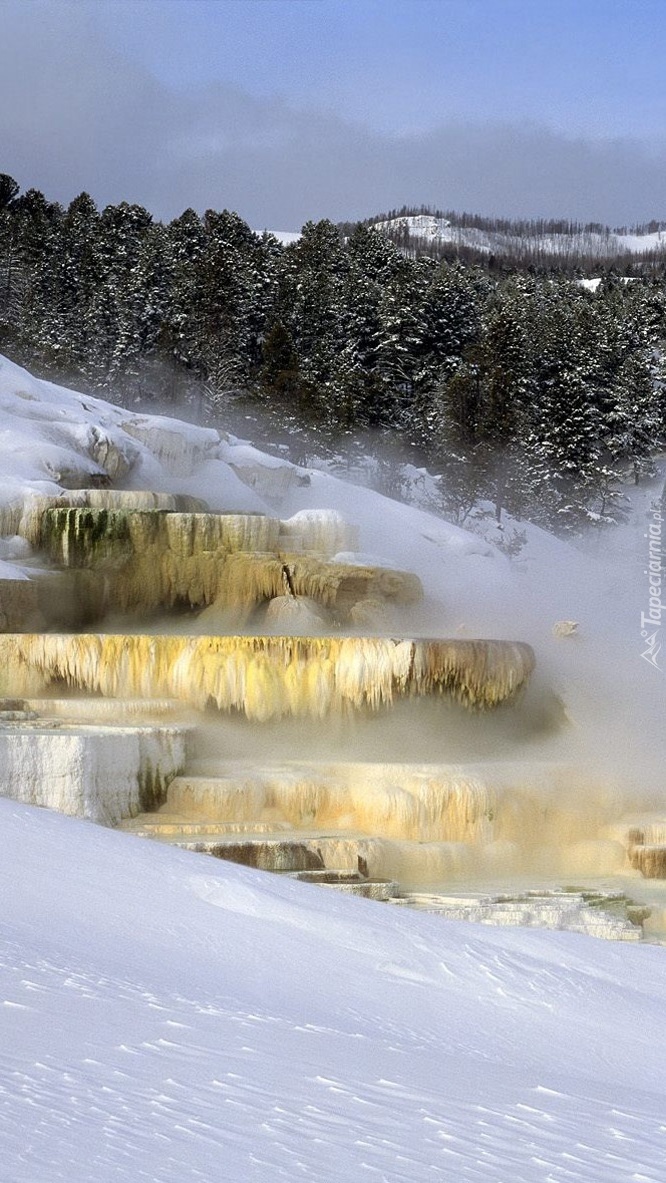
(428, 228)
(166, 1017)
(52, 438)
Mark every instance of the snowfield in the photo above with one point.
(169, 1017)
(429, 228)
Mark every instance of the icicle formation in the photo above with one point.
(322, 532)
(266, 677)
(149, 559)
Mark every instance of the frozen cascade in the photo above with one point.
(75, 536)
(605, 915)
(30, 513)
(426, 803)
(104, 710)
(144, 559)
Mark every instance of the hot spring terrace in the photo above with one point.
(148, 618)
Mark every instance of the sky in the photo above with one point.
(286, 110)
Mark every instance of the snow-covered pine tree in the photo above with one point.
(320, 265)
(230, 303)
(563, 442)
(9, 190)
(80, 279)
(507, 388)
(359, 396)
(40, 330)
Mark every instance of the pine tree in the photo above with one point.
(9, 190)
(563, 433)
(123, 301)
(286, 391)
(361, 384)
(400, 346)
(230, 303)
(36, 287)
(79, 282)
(320, 267)
(507, 388)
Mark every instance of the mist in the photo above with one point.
(410, 741)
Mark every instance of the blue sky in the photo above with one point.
(287, 109)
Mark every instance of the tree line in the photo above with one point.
(538, 245)
(526, 390)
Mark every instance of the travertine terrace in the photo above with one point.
(207, 600)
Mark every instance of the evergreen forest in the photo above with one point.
(520, 386)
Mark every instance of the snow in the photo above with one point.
(593, 284)
(424, 226)
(53, 438)
(640, 243)
(166, 1017)
(429, 228)
(322, 530)
(284, 236)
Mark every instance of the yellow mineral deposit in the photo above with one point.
(153, 559)
(296, 616)
(428, 823)
(415, 803)
(29, 514)
(247, 580)
(266, 677)
(133, 553)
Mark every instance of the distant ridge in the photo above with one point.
(425, 231)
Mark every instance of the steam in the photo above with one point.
(346, 682)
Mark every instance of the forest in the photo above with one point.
(518, 386)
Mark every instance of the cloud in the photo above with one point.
(76, 115)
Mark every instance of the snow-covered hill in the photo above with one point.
(440, 231)
(169, 1017)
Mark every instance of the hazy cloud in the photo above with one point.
(75, 115)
